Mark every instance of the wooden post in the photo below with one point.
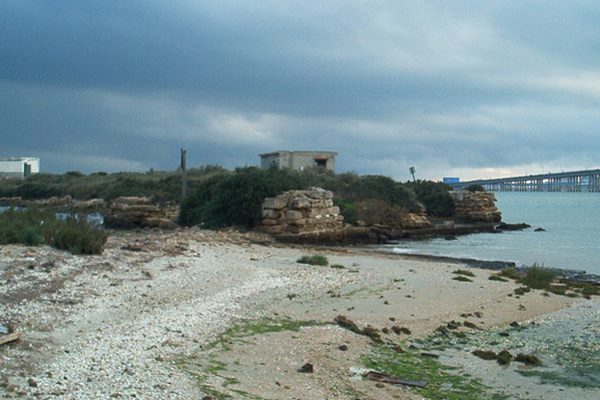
(184, 188)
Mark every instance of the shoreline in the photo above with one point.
(143, 318)
(574, 275)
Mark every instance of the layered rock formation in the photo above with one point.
(301, 211)
(139, 212)
(475, 206)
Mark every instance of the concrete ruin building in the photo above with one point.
(299, 160)
(19, 167)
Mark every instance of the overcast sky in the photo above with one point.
(473, 89)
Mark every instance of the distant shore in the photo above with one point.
(157, 316)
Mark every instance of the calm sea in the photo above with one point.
(567, 342)
(571, 239)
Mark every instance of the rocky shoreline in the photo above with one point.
(160, 315)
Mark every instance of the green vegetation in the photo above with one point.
(162, 186)
(220, 197)
(235, 198)
(434, 196)
(442, 383)
(538, 277)
(463, 272)
(380, 212)
(313, 260)
(520, 291)
(461, 278)
(34, 227)
(475, 188)
(510, 273)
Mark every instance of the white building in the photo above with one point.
(19, 167)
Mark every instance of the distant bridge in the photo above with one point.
(574, 181)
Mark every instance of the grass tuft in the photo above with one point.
(313, 260)
(538, 277)
(461, 278)
(463, 272)
(497, 278)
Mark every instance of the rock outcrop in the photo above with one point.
(475, 206)
(301, 211)
(139, 212)
(415, 221)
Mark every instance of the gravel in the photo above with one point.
(115, 326)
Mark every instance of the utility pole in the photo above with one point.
(184, 186)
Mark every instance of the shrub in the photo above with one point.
(497, 278)
(510, 272)
(463, 272)
(348, 210)
(537, 277)
(235, 199)
(24, 227)
(380, 212)
(461, 278)
(357, 188)
(313, 260)
(475, 188)
(434, 196)
(78, 237)
(34, 227)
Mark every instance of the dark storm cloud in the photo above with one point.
(460, 86)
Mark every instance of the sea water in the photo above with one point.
(568, 341)
(571, 239)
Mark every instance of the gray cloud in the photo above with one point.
(453, 88)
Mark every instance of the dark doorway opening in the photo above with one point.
(320, 163)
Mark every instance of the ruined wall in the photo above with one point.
(475, 206)
(301, 211)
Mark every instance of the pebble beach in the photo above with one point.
(155, 316)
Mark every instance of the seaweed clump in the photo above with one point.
(369, 331)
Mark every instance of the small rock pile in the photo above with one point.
(475, 206)
(139, 212)
(301, 211)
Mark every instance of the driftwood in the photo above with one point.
(381, 377)
(11, 337)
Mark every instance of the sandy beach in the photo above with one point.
(194, 314)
